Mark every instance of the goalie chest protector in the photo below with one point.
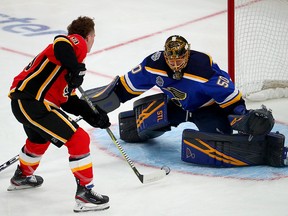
(220, 150)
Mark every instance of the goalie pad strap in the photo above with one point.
(127, 127)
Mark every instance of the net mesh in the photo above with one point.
(261, 45)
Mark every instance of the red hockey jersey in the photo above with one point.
(44, 77)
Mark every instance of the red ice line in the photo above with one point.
(128, 42)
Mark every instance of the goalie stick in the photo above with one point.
(16, 158)
(147, 178)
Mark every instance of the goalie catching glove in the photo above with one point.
(254, 122)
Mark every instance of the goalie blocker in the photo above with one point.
(147, 120)
(104, 96)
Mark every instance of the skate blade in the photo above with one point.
(86, 207)
(13, 187)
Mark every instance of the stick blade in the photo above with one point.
(156, 176)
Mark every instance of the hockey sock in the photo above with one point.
(30, 156)
(80, 161)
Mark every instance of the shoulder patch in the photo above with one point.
(156, 56)
(74, 40)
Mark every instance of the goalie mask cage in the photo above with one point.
(258, 47)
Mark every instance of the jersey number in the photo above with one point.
(136, 69)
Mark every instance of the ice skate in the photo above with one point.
(19, 181)
(88, 200)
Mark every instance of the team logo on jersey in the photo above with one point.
(30, 64)
(156, 56)
(159, 81)
(177, 95)
(67, 91)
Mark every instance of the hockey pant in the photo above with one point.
(43, 125)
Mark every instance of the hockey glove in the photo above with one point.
(100, 119)
(75, 78)
(254, 122)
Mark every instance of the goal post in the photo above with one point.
(258, 47)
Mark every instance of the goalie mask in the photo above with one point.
(176, 54)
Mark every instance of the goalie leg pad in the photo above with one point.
(233, 150)
(220, 150)
(276, 153)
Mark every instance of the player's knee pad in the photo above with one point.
(79, 143)
(232, 150)
(147, 120)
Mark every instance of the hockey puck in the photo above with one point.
(166, 168)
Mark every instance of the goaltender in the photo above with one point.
(195, 89)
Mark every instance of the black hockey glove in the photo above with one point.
(100, 119)
(75, 78)
(254, 122)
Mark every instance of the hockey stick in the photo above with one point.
(143, 178)
(16, 158)
(9, 162)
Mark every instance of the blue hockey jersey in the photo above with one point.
(203, 82)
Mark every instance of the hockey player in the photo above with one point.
(39, 94)
(195, 89)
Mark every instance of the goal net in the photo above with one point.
(260, 49)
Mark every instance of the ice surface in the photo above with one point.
(126, 32)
